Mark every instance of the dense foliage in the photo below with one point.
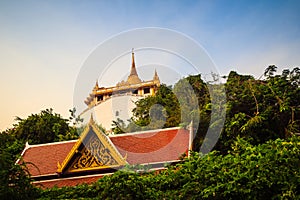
(261, 109)
(43, 128)
(266, 171)
(15, 182)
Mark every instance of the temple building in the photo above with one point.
(118, 101)
(96, 154)
(132, 86)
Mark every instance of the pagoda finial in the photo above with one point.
(133, 70)
(133, 77)
(155, 77)
(92, 118)
(96, 87)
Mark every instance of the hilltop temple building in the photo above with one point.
(132, 86)
(118, 101)
(96, 154)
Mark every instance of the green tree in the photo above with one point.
(150, 112)
(15, 182)
(118, 126)
(260, 109)
(74, 119)
(269, 72)
(195, 104)
(295, 76)
(43, 128)
(187, 101)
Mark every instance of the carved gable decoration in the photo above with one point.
(93, 151)
(92, 154)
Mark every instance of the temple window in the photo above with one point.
(146, 90)
(100, 98)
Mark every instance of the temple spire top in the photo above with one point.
(155, 77)
(96, 87)
(133, 69)
(133, 77)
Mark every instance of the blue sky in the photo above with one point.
(45, 43)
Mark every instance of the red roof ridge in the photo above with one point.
(147, 131)
(69, 178)
(159, 162)
(27, 146)
(50, 143)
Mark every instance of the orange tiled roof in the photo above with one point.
(42, 159)
(155, 146)
(152, 146)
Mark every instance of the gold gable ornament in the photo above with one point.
(93, 151)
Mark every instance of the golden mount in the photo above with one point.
(132, 86)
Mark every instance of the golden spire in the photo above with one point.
(92, 118)
(133, 77)
(133, 69)
(96, 87)
(155, 77)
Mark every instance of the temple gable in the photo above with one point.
(92, 151)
